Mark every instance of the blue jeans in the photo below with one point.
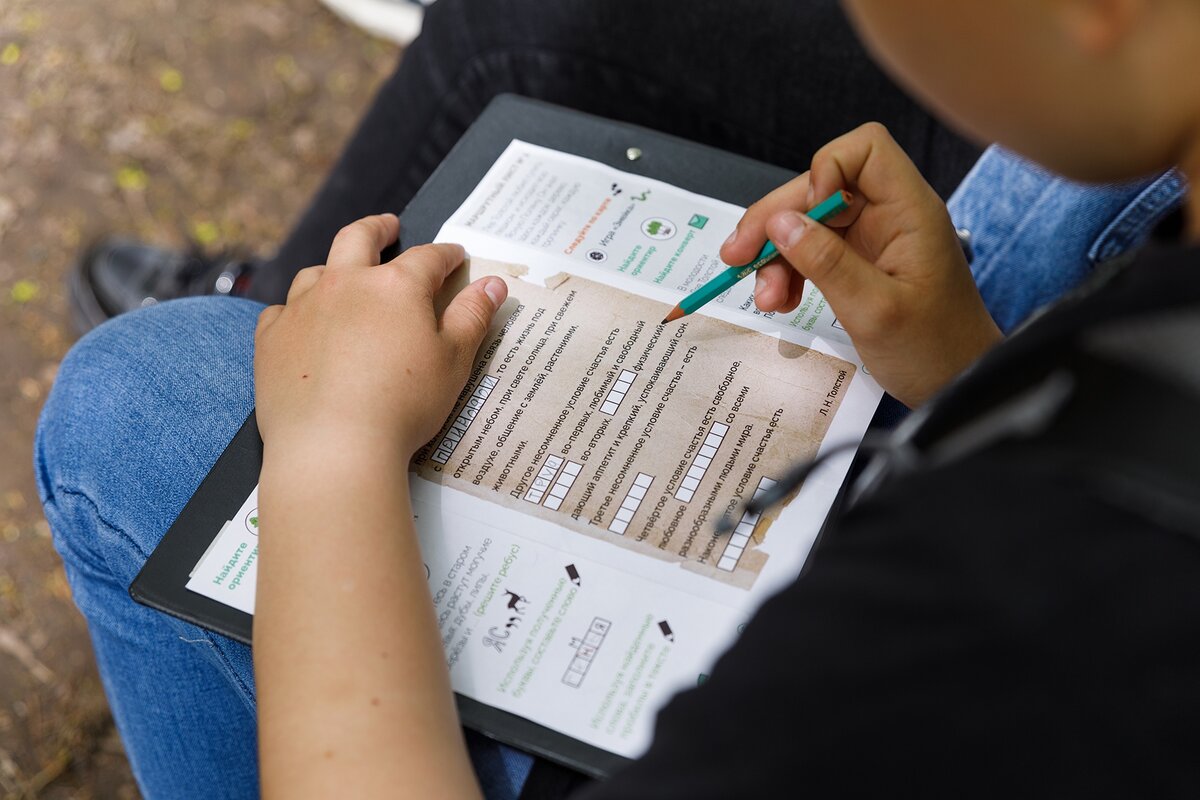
(144, 405)
(141, 409)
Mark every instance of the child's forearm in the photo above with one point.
(354, 697)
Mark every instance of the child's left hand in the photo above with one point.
(359, 352)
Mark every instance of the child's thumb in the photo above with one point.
(467, 318)
(824, 258)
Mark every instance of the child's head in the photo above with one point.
(1093, 89)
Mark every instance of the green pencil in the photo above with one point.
(726, 280)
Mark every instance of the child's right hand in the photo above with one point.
(891, 266)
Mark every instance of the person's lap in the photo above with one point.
(141, 410)
(143, 407)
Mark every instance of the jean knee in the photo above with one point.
(143, 405)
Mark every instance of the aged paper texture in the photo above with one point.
(582, 409)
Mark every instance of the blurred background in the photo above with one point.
(171, 121)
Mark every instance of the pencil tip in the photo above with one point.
(665, 321)
(675, 313)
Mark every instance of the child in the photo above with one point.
(1012, 615)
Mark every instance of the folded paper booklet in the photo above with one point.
(567, 508)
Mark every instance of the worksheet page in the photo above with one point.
(567, 508)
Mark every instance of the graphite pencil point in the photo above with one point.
(674, 314)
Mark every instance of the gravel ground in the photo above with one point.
(167, 120)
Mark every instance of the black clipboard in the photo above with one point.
(698, 168)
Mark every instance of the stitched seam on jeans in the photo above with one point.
(243, 688)
(96, 510)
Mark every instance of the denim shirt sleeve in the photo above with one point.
(1036, 235)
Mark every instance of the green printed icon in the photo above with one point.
(658, 228)
(252, 522)
(698, 221)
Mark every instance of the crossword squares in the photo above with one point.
(700, 464)
(585, 651)
(629, 506)
(741, 534)
(543, 480)
(618, 392)
(458, 429)
(558, 491)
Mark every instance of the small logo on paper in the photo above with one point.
(698, 221)
(658, 228)
(252, 522)
(597, 256)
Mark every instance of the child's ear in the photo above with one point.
(1098, 27)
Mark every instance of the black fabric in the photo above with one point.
(549, 781)
(770, 79)
(1005, 626)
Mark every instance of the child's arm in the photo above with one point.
(352, 376)
(891, 268)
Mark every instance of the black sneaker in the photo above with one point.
(119, 275)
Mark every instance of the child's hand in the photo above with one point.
(358, 356)
(890, 266)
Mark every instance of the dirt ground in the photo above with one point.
(167, 120)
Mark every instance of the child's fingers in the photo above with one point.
(798, 194)
(358, 244)
(852, 285)
(750, 234)
(429, 265)
(469, 315)
(771, 285)
(869, 163)
(304, 281)
(266, 318)
(795, 293)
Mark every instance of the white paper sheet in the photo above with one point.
(579, 630)
(228, 570)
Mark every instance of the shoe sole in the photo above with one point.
(86, 312)
(384, 18)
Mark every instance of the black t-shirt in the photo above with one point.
(1005, 625)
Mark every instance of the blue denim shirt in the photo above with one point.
(1036, 235)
